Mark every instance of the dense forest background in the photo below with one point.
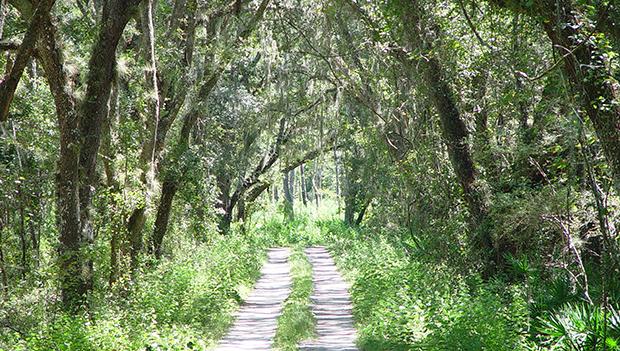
(460, 158)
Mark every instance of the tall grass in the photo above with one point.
(184, 303)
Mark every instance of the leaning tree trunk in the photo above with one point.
(210, 79)
(168, 191)
(453, 129)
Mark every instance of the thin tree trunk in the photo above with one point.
(5, 278)
(288, 196)
(349, 198)
(337, 175)
(109, 145)
(316, 184)
(302, 185)
(33, 225)
(522, 105)
(22, 237)
(3, 12)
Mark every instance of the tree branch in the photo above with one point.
(8, 86)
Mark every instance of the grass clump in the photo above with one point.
(296, 322)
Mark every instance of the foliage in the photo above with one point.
(460, 159)
(581, 327)
(184, 303)
(402, 304)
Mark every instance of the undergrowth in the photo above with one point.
(402, 302)
(185, 303)
(403, 298)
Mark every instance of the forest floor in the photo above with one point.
(256, 321)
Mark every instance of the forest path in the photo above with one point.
(331, 305)
(256, 321)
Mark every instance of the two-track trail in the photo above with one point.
(256, 322)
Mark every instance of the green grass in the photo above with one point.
(186, 302)
(296, 322)
(402, 303)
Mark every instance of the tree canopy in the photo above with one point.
(475, 140)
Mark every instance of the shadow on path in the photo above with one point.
(256, 321)
(331, 306)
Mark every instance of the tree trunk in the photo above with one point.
(78, 152)
(168, 191)
(362, 212)
(149, 153)
(22, 237)
(302, 185)
(9, 84)
(5, 278)
(316, 184)
(287, 181)
(453, 130)
(109, 150)
(350, 195)
(585, 66)
(210, 79)
(337, 175)
(241, 210)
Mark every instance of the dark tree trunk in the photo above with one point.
(80, 133)
(134, 230)
(337, 174)
(168, 191)
(350, 195)
(362, 212)
(455, 136)
(453, 130)
(241, 210)
(33, 227)
(481, 117)
(22, 239)
(225, 221)
(109, 151)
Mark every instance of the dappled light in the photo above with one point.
(314, 175)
